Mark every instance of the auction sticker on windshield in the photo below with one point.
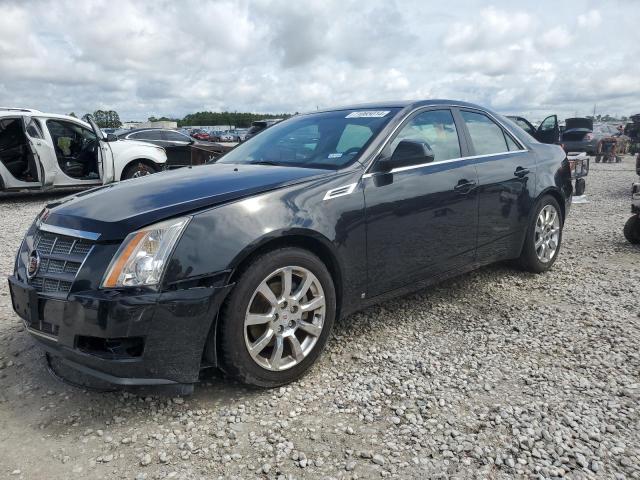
(368, 114)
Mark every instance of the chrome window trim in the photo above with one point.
(368, 174)
(69, 232)
(451, 160)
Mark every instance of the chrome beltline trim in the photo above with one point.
(69, 232)
(451, 160)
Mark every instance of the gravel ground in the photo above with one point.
(495, 374)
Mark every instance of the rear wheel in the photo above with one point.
(137, 169)
(632, 230)
(544, 236)
(277, 318)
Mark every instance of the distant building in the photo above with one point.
(162, 124)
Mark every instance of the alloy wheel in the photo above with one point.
(141, 171)
(284, 319)
(547, 233)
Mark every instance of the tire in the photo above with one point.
(598, 158)
(138, 168)
(632, 230)
(530, 259)
(265, 368)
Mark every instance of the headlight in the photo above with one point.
(142, 257)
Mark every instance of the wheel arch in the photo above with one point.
(147, 161)
(306, 240)
(303, 239)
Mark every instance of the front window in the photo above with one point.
(76, 148)
(437, 129)
(330, 140)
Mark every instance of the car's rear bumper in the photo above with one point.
(579, 146)
(124, 338)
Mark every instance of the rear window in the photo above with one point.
(487, 137)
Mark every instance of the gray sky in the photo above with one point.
(174, 57)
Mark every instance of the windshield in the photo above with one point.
(328, 140)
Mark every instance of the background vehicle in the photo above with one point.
(260, 125)
(547, 132)
(246, 263)
(581, 135)
(200, 134)
(227, 136)
(43, 150)
(182, 151)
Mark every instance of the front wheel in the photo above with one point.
(544, 235)
(277, 318)
(138, 169)
(632, 230)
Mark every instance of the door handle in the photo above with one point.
(521, 172)
(464, 186)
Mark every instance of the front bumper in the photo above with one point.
(121, 337)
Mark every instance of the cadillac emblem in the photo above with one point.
(34, 264)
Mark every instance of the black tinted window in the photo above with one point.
(486, 135)
(437, 129)
(147, 135)
(175, 136)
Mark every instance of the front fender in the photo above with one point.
(123, 155)
(219, 239)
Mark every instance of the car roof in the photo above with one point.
(28, 112)
(160, 129)
(404, 104)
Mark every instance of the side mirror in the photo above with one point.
(111, 138)
(406, 154)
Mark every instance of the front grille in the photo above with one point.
(60, 260)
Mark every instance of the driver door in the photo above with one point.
(422, 220)
(548, 131)
(106, 168)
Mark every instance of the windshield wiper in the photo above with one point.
(265, 162)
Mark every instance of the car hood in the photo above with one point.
(115, 210)
(573, 123)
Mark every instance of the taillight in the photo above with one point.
(588, 136)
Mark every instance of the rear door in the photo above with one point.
(549, 130)
(178, 148)
(506, 176)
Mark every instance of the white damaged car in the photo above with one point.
(41, 151)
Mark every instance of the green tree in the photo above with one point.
(107, 119)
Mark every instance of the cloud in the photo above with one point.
(590, 19)
(164, 57)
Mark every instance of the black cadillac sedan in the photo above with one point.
(246, 264)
